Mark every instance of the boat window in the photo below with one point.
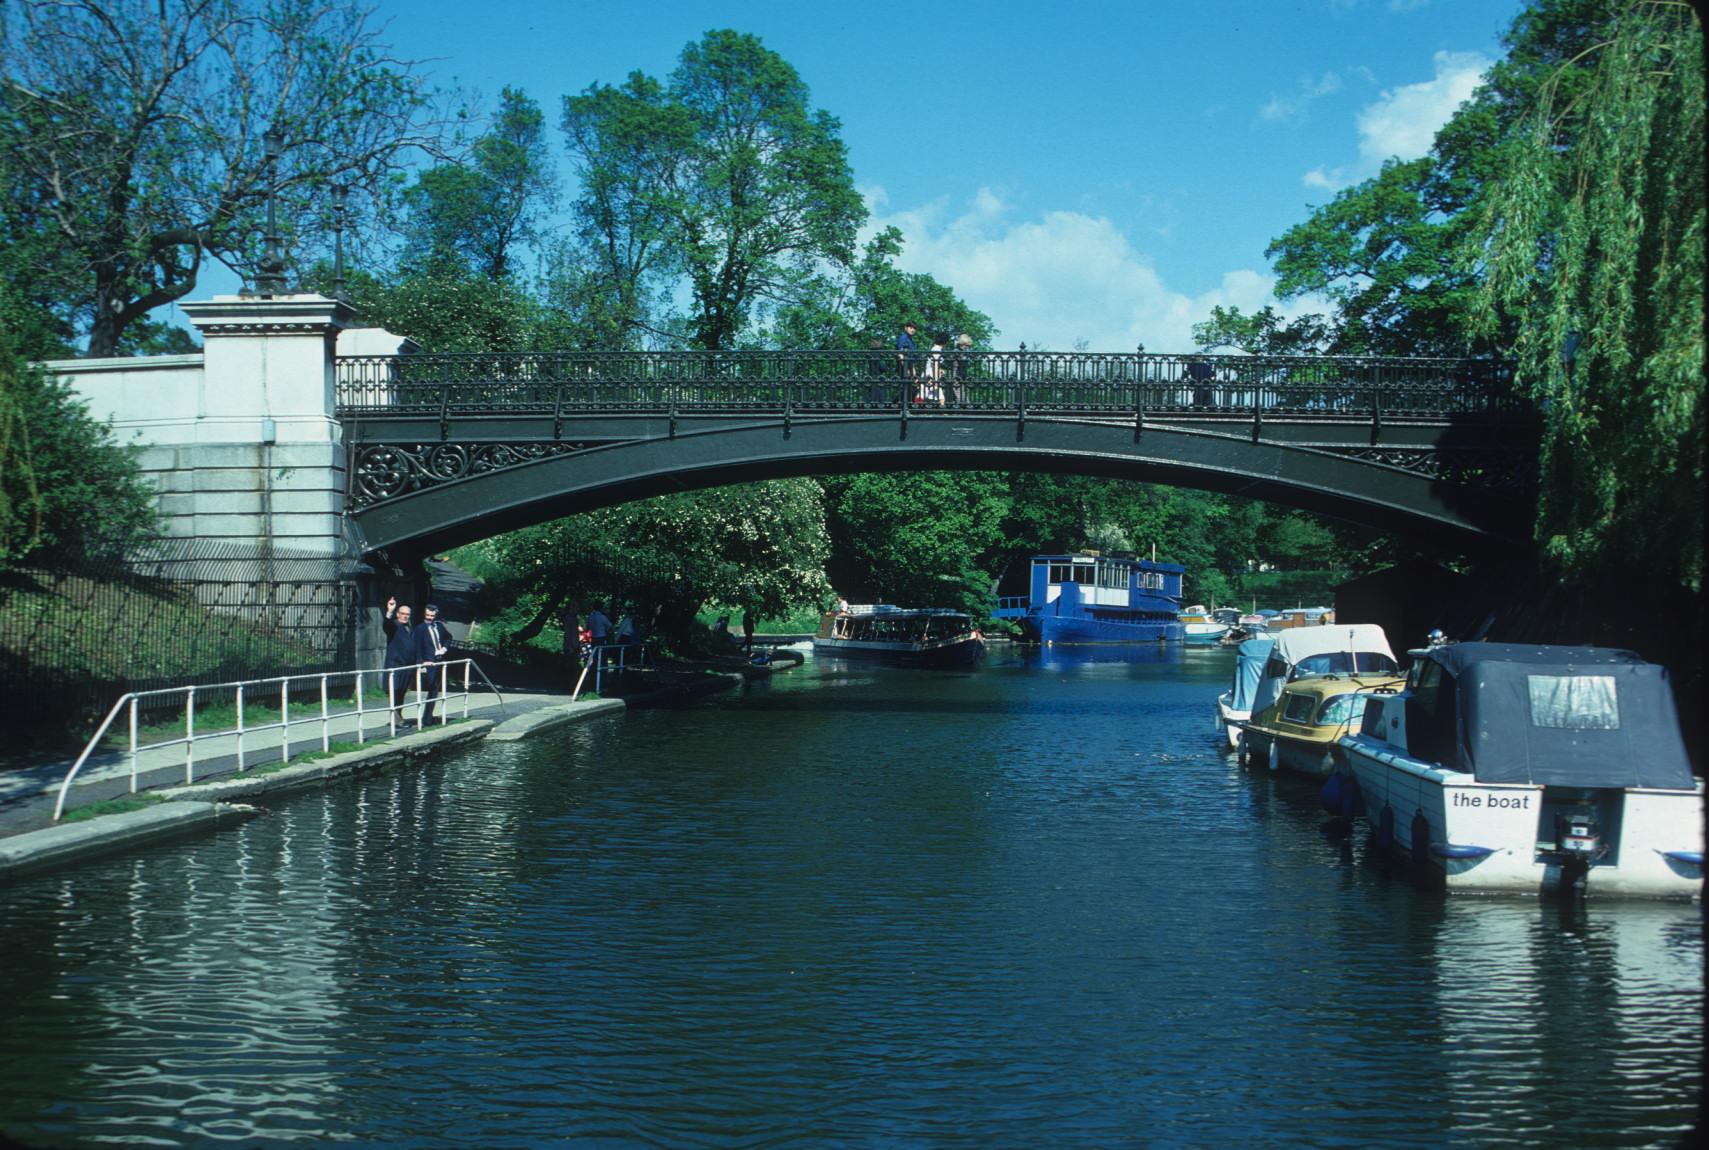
(1339, 710)
(1375, 662)
(1298, 708)
(1373, 721)
(1574, 702)
(1070, 572)
(1112, 576)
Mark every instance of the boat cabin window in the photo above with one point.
(1339, 710)
(1070, 572)
(1298, 708)
(1430, 714)
(1152, 580)
(1112, 576)
(1574, 702)
(1372, 724)
(1346, 663)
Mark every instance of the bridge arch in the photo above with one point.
(431, 486)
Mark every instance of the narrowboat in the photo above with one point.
(1097, 599)
(906, 637)
(1297, 711)
(1531, 769)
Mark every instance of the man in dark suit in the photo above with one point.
(400, 652)
(432, 644)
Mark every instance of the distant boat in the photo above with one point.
(1200, 626)
(906, 637)
(1098, 599)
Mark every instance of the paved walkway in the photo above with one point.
(27, 795)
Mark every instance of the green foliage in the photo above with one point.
(109, 807)
(727, 167)
(853, 307)
(467, 219)
(1593, 236)
(915, 539)
(761, 546)
(1262, 333)
(68, 492)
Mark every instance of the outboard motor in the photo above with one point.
(1577, 833)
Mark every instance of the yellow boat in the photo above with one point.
(1302, 729)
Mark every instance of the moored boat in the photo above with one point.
(1234, 706)
(1199, 625)
(1097, 599)
(906, 637)
(1523, 769)
(1298, 710)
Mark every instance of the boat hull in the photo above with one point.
(1228, 721)
(1042, 628)
(960, 653)
(1483, 837)
(1284, 752)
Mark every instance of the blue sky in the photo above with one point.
(1098, 171)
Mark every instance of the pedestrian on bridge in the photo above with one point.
(907, 359)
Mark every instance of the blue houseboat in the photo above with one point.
(1098, 599)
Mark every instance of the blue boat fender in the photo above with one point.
(1351, 803)
(1330, 797)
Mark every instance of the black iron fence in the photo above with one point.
(997, 381)
(73, 640)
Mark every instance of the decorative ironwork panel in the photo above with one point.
(385, 471)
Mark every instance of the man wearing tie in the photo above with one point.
(432, 644)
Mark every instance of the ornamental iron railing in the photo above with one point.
(559, 383)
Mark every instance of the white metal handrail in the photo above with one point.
(599, 661)
(324, 714)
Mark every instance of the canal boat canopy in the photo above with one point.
(1554, 716)
(1249, 660)
(1334, 648)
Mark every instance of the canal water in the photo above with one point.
(1029, 905)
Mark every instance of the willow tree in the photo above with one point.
(1596, 249)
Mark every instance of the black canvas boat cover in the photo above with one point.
(1564, 716)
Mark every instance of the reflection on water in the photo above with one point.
(1032, 903)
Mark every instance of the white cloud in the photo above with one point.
(1060, 277)
(1292, 109)
(1402, 122)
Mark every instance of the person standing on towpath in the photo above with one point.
(432, 644)
(400, 653)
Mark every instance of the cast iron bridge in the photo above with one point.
(445, 449)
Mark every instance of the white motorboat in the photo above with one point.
(1525, 769)
(1234, 706)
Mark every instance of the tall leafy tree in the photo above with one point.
(725, 174)
(870, 300)
(1387, 251)
(473, 216)
(135, 129)
(1592, 235)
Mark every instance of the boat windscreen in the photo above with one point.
(1346, 663)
